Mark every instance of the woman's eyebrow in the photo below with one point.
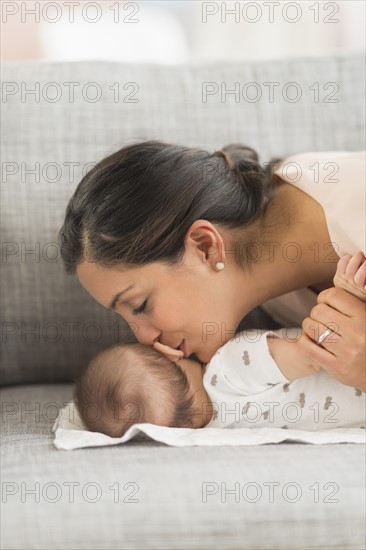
(114, 301)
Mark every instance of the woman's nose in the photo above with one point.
(145, 334)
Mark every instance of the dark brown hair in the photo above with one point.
(115, 390)
(136, 205)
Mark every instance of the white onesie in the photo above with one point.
(248, 390)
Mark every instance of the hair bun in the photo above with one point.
(235, 153)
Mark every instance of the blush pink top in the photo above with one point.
(336, 180)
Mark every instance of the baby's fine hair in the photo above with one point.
(126, 384)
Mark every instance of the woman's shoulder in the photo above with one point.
(327, 176)
(336, 180)
(313, 156)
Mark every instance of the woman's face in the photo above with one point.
(193, 302)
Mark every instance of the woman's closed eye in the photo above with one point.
(140, 309)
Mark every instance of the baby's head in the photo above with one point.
(133, 383)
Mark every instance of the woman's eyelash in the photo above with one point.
(140, 309)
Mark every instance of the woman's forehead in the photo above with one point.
(94, 272)
(102, 281)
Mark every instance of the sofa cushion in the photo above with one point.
(147, 495)
(53, 126)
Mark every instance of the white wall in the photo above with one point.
(179, 31)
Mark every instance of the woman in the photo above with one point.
(183, 244)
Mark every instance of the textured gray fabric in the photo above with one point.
(168, 484)
(169, 512)
(164, 103)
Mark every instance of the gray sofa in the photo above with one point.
(144, 494)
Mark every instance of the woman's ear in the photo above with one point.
(205, 238)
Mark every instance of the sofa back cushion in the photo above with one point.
(58, 119)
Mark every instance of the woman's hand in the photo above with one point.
(343, 353)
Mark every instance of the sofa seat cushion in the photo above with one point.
(147, 495)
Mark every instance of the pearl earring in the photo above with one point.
(220, 266)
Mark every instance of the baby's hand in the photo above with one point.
(170, 353)
(351, 274)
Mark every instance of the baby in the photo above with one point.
(133, 383)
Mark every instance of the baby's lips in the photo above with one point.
(166, 350)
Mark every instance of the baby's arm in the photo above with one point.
(351, 274)
(289, 359)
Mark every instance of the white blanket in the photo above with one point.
(70, 433)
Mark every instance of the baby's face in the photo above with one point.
(194, 372)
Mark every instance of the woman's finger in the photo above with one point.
(318, 354)
(336, 366)
(325, 335)
(325, 317)
(344, 302)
